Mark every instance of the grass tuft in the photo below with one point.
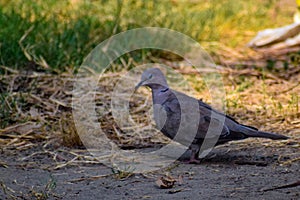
(57, 35)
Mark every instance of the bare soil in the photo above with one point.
(234, 171)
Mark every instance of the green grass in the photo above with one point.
(10, 104)
(57, 35)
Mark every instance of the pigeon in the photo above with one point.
(176, 112)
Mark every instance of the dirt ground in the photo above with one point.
(236, 171)
(32, 168)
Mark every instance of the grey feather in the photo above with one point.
(174, 110)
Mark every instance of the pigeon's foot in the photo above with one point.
(192, 161)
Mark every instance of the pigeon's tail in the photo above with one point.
(249, 132)
(273, 136)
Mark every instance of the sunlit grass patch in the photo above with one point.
(57, 35)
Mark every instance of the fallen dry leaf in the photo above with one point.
(165, 182)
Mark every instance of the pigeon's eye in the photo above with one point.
(150, 76)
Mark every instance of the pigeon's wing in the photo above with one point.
(160, 116)
(212, 127)
(208, 126)
(231, 129)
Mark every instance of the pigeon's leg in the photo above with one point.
(194, 159)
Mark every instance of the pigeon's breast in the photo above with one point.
(166, 120)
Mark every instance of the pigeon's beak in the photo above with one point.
(139, 84)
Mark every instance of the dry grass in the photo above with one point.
(37, 110)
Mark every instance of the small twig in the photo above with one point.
(294, 184)
(289, 89)
(9, 69)
(91, 178)
(290, 161)
(7, 190)
(61, 165)
(3, 164)
(176, 191)
(14, 127)
(27, 55)
(36, 153)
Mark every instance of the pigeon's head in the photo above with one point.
(153, 78)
